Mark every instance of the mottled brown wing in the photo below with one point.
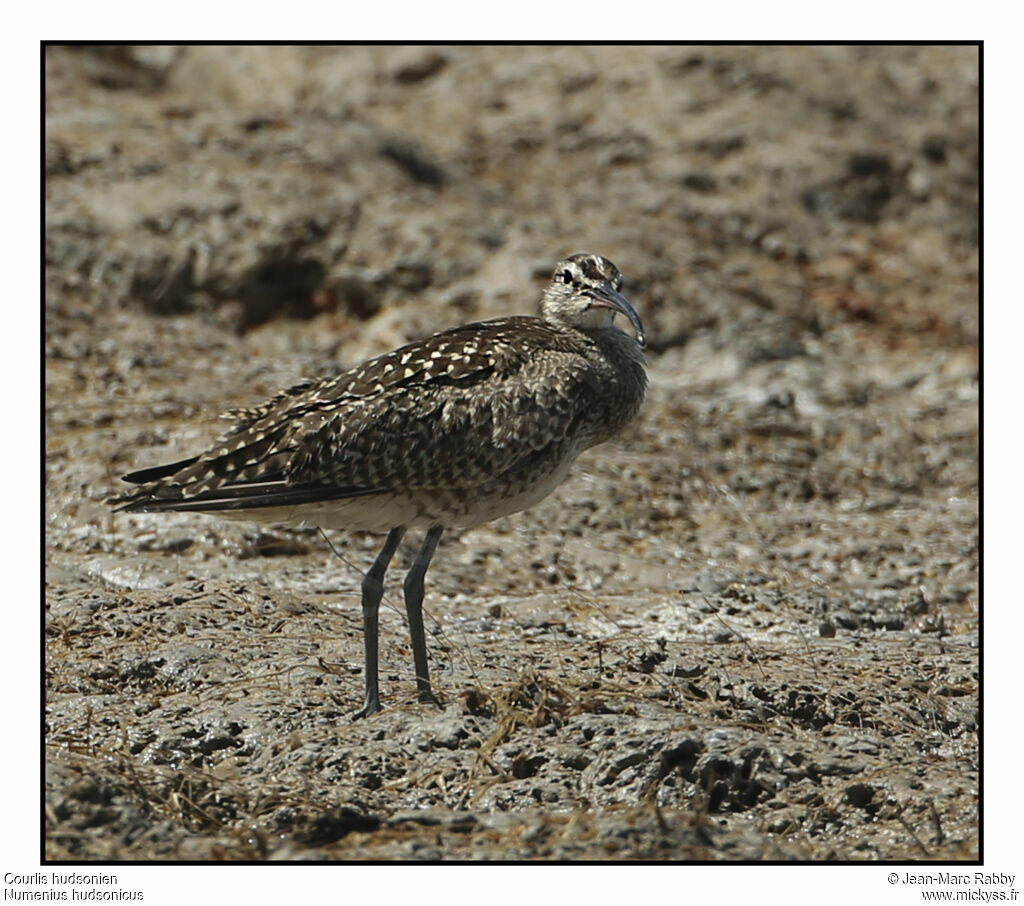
(448, 434)
(461, 405)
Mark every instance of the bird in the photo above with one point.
(452, 431)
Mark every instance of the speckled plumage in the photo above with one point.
(469, 424)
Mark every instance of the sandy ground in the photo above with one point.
(745, 629)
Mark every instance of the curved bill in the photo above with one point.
(606, 297)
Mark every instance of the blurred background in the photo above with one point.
(798, 229)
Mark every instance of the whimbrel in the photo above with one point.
(455, 430)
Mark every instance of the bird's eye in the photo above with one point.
(566, 276)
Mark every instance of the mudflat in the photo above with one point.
(745, 629)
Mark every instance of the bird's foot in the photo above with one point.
(371, 707)
(427, 697)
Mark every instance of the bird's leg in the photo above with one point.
(373, 591)
(414, 608)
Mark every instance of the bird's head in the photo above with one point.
(584, 294)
